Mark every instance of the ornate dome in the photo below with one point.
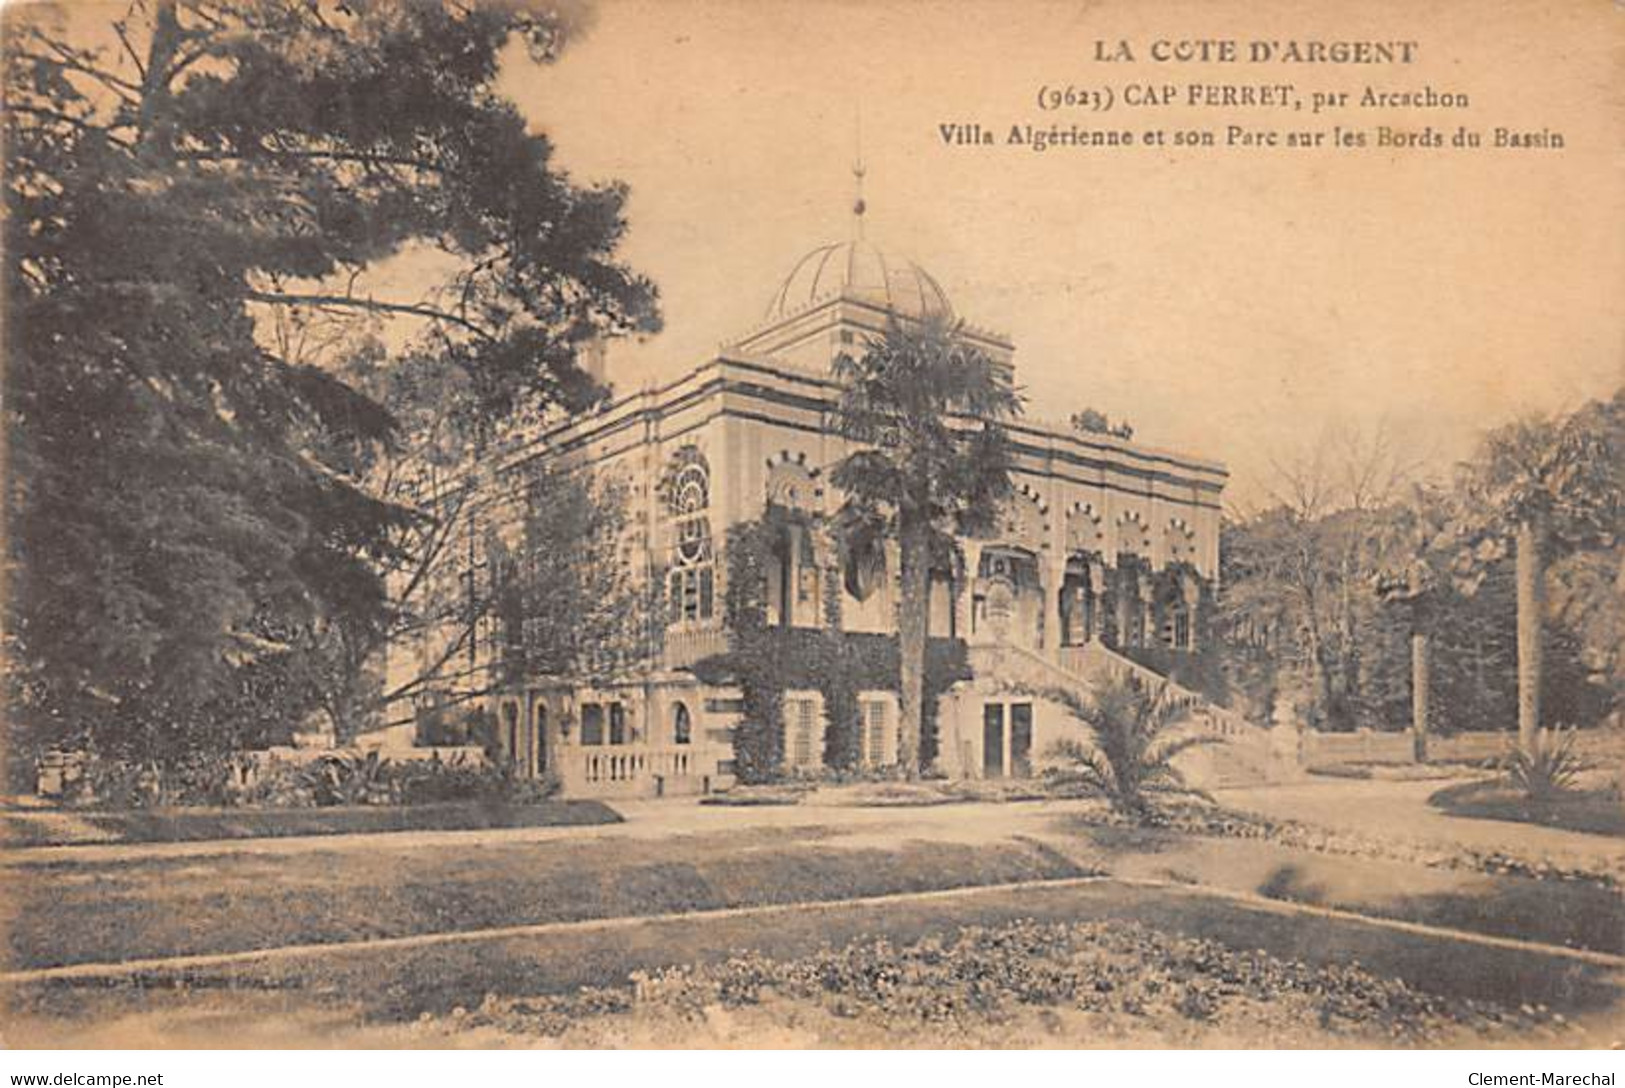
(859, 271)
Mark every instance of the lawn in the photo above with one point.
(107, 910)
(798, 869)
(1184, 968)
(1574, 914)
(1598, 811)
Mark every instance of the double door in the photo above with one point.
(1007, 740)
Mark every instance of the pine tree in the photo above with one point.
(186, 500)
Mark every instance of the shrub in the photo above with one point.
(1551, 768)
(331, 779)
(1134, 746)
(463, 779)
(350, 778)
(114, 783)
(198, 778)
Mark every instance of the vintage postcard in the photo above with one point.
(706, 524)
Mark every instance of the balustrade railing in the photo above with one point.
(1247, 754)
(1093, 657)
(686, 645)
(598, 766)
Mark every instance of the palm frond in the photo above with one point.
(1166, 750)
(1133, 747)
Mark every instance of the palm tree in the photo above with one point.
(1135, 743)
(1408, 545)
(1542, 478)
(928, 409)
(1412, 589)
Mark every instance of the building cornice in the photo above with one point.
(782, 385)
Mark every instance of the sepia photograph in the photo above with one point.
(722, 525)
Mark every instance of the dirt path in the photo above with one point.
(1380, 809)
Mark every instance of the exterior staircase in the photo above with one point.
(1245, 754)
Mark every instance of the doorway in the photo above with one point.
(993, 740)
(1021, 740)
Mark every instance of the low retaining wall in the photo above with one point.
(1596, 745)
(1366, 746)
(1361, 746)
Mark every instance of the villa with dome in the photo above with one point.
(1107, 553)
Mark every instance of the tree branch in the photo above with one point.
(365, 158)
(371, 305)
(77, 62)
(69, 119)
(121, 28)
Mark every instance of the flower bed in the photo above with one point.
(1022, 983)
(1597, 811)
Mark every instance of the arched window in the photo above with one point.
(692, 583)
(682, 725)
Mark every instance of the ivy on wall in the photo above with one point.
(752, 658)
(765, 659)
(1202, 670)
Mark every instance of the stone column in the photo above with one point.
(1419, 694)
(1051, 582)
(1097, 600)
(1123, 585)
(1146, 585)
(966, 589)
(1191, 587)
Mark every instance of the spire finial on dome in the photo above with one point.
(858, 206)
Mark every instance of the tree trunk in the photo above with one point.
(1320, 673)
(1531, 612)
(1420, 646)
(1320, 681)
(154, 125)
(1348, 643)
(914, 543)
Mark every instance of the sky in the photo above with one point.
(1234, 303)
